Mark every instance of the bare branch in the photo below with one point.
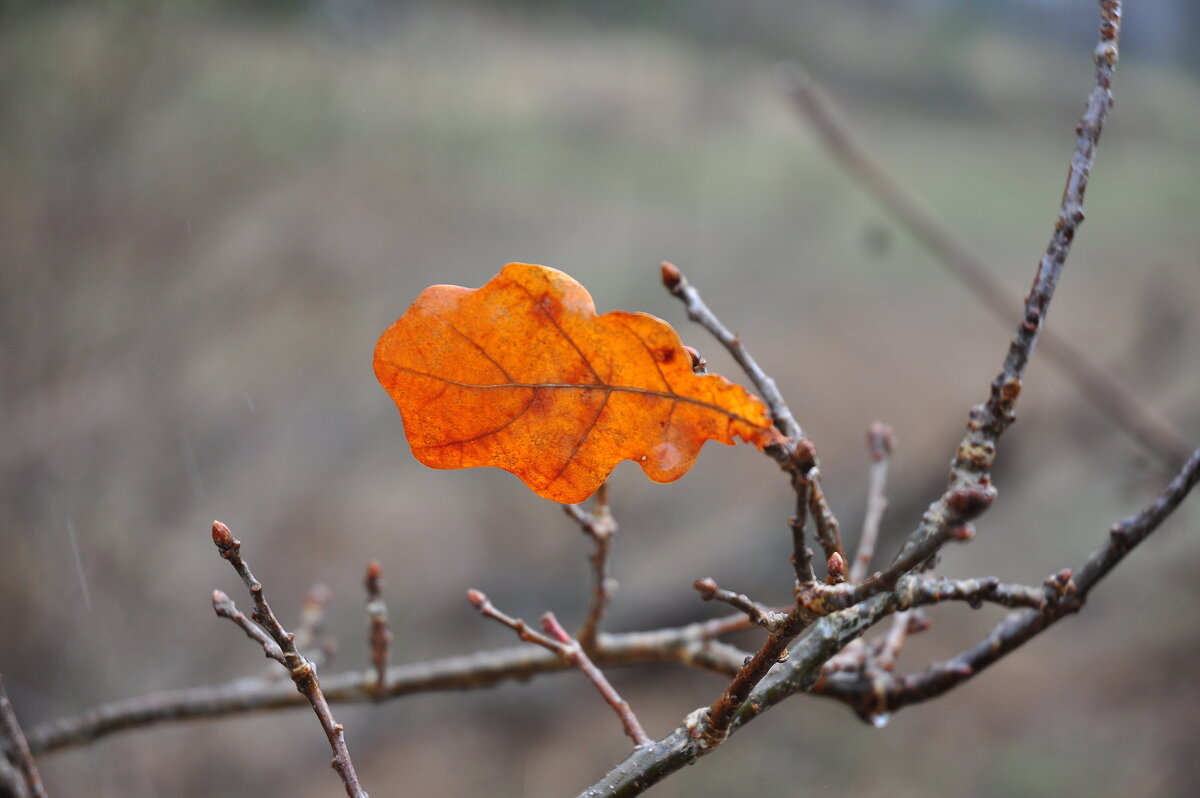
(380, 639)
(579, 657)
(880, 442)
(600, 526)
(279, 644)
(827, 528)
(803, 461)
(758, 614)
(1147, 427)
(698, 312)
(888, 693)
(570, 652)
(970, 491)
(693, 645)
(904, 624)
(310, 639)
(969, 494)
(15, 738)
(225, 608)
(797, 456)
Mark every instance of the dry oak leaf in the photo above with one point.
(523, 375)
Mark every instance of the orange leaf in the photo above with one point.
(523, 375)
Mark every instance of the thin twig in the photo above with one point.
(698, 312)
(16, 739)
(310, 639)
(759, 614)
(693, 645)
(904, 624)
(280, 645)
(556, 640)
(225, 608)
(827, 528)
(578, 656)
(1145, 425)
(600, 526)
(888, 693)
(831, 633)
(380, 639)
(802, 555)
(880, 442)
(970, 491)
(760, 684)
(798, 457)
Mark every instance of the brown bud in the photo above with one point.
(969, 502)
(804, 456)
(706, 587)
(836, 567)
(477, 598)
(1061, 582)
(374, 570)
(671, 276)
(221, 534)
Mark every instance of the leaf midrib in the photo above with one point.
(593, 386)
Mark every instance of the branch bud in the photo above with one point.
(477, 598)
(221, 535)
(970, 502)
(804, 456)
(706, 587)
(671, 276)
(835, 569)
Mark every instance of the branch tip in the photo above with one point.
(804, 457)
(881, 440)
(221, 536)
(671, 276)
(835, 568)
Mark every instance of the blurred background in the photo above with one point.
(210, 211)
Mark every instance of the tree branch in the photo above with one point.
(693, 645)
(280, 645)
(600, 526)
(856, 608)
(880, 442)
(22, 756)
(379, 639)
(557, 641)
(889, 692)
(797, 455)
(698, 312)
(970, 491)
(1145, 426)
